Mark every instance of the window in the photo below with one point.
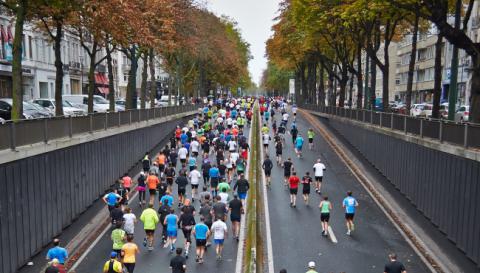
(30, 48)
(420, 75)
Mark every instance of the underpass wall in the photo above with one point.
(43, 194)
(442, 186)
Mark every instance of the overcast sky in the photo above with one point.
(254, 18)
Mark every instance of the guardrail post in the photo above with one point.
(421, 128)
(91, 123)
(70, 126)
(106, 120)
(130, 116)
(120, 118)
(13, 136)
(405, 124)
(391, 121)
(465, 136)
(371, 116)
(45, 130)
(381, 121)
(440, 132)
(363, 113)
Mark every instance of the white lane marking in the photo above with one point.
(241, 236)
(332, 236)
(267, 216)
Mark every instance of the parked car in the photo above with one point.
(444, 110)
(30, 111)
(427, 110)
(100, 104)
(463, 113)
(122, 102)
(68, 108)
(417, 110)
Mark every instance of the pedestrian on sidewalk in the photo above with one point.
(394, 266)
(59, 253)
(150, 220)
(129, 252)
(325, 208)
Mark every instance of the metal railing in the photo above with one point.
(25, 132)
(464, 134)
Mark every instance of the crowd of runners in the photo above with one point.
(191, 186)
(199, 178)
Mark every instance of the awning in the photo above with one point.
(103, 90)
(101, 79)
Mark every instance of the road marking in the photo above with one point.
(241, 236)
(332, 236)
(267, 215)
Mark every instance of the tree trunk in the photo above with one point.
(359, 77)
(111, 87)
(153, 81)
(303, 81)
(343, 85)
(91, 76)
(367, 89)
(411, 65)
(475, 99)
(311, 79)
(331, 96)
(321, 86)
(143, 87)
(131, 98)
(298, 86)
(350, 93)
(437, 89)
(17, 78)
(58, 69)
(373, 85)
(385, 79)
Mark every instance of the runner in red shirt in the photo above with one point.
(178, 133)
(293, 181)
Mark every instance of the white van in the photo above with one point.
(100, 105)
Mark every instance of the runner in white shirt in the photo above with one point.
(194, 147)
(229, 165)
(233, 158)
(242, 113)
(195, 177)
(219, 120)
(220, 231)
(182, 154)
(229, 122)
(194, 134)
(232, 146)
(266, 140)
(318, 169)
(129, 220)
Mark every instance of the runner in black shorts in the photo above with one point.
(267, 166)
(287, 169)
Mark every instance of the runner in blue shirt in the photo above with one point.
(167, 199)
(350, 204)
(171, 222)
(57, 252)
(214, 174)
(183, 138)
(298, 145)
(192, 162)
(201, 233)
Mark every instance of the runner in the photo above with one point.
(171, 222)
(201, 233)
(236, 210)
(394, 266)
(306, 181)
(141, 186)
(163, 211)
(350, 204)
(311, 267)
(278, 150)
(170, 174)
(178, 264)
(150, 220)
(195, 177)
(146, 163)
(113, 265)
(310, 135)
(182, 183)
(318, 169)
(129, 220)
(129, 251)
(267, 166)
(118, 237)
(152, 182)
(293, 182)
(220, 232)
(187, 222)
(214, 175)
(112, 198)
(266, 140)
(242, 186)
(287, 170)
(182, 154)
(294, 132)
(59, 253)
(298, 145)
(325, 208)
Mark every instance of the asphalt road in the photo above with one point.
(159, 259)
(296, 232)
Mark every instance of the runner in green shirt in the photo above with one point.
(118, 237)
(223, 185)
(325, 208)
(310, 135)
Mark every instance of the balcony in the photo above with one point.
(126, 67)
(102, 68)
